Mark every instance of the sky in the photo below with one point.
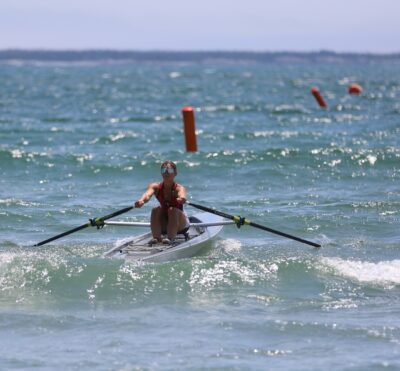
(253, 25)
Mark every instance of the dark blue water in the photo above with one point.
(83, 140)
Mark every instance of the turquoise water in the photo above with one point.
(83, 140)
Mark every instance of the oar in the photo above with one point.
(241, 221)
(96, 222)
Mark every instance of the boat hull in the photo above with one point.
(138, 248)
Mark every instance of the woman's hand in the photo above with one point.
(139, 203)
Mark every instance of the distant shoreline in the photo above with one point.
(115, 56)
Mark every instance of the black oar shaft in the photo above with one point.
(92, 222)
(119, 212)
(63, 234)
(283, 234)
(246, 221)
(212, 211)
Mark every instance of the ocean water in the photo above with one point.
(83, 140)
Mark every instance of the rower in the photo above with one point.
(167, 218)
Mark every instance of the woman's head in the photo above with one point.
(168, 167)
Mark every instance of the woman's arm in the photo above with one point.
(181, 193)
(146, 195)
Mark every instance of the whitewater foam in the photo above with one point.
(383, 273)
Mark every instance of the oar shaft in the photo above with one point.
(93, 222)
(238, 219)
(144, 224)
(212, 211)
(116, 213)
(63, 234)
(283, 234)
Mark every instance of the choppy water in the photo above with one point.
(79, 141)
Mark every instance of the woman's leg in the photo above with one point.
(176, 222)
(156, 222)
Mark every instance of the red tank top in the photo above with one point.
(173, 199)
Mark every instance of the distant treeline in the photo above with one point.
(14, 55)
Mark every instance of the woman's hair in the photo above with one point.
(171, 164)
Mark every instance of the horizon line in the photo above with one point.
(233, 51)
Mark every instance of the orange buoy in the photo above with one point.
(189, 129)
(355, 89)
(319, 98)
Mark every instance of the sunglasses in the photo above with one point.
(168, 170)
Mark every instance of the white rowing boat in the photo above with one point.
(203, 227)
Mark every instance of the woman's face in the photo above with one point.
(168, 172)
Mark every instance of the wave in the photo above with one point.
(383, 273)
(17, 202)
(283, 109)
(58, 120)
(80, 273)
(70, 274)
(288, 109)
(120, 135)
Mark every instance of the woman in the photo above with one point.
(168, 218)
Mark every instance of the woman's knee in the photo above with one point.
(172, 211)
(177, 215)
(156, 211)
